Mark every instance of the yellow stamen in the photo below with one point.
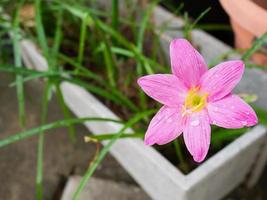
(194, 101)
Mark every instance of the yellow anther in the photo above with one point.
(195, 101)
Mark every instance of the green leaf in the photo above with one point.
(105, 150)
(18, 64)
(57, 124)
(256, 45)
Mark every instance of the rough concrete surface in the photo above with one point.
(102, 189)
(61, 157)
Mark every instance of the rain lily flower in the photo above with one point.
(193, 98)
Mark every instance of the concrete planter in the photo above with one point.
(243, 158)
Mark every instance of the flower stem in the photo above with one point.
(183, 165)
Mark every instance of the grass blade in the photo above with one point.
(53, 125)
(115, 14)
(256, 45)
(57, 39)
(66, 112)
(40, 149)
(110, 136)
(105, 150)
(40, 28)
(18, 63)
(83, 32)
(112, 94)
(110, 68)
(140, 41)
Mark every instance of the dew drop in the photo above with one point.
(195, 123)
(248, 113)
(244, 123)
(169, 120)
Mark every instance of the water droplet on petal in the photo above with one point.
(244, 123)
(169, 120)
(248, 113)
(195, 123)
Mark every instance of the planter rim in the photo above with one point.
(248, 14)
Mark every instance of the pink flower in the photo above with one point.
(195, 97)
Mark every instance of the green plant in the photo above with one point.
(109, 56)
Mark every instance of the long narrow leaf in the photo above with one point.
(105, 150)
(18, 63)
(256, 45)
(40, 148)
(57, 124)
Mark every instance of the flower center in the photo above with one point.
(194, 101)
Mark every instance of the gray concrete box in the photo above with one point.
(217, 176)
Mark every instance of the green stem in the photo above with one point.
(40, 150)
(82, 38)
(65, 111)
(109, 136)
(53, 125)
(18, 64)
(178, 151)
(183, 165)
(105, 150)
(115, 14)
(256, 45)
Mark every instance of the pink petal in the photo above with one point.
(165, 88)
(187, 64)
(231, 112)
(221, 79)
(197, 135)
(165, 126)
